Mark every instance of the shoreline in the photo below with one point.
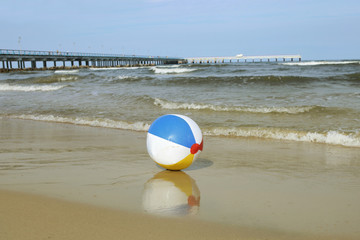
(267, 189)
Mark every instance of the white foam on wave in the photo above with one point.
(29, 88)
(194, 106)
(175, 70)
(66, 71)
(126, 77)
(330, 137)
(106, 123)
(170, 66)
(105, 68)
(134, 68)
(68, 78)
(314, 63)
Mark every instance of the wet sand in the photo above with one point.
(78, 182)
(25, 216)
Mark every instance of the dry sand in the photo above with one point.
(78, 182)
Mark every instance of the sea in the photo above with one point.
(307, 101)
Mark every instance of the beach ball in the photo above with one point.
(171, 193)
(174, 141)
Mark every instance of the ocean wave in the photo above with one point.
(121, 77)
(134, 68)
(29, 88)
(330, 137)
(127, 78)
(67, 79)
(195, 106)
(170, 66)
(268, 80)
(240, 80)
(105, 68)
(176, 70)
(47, 79)
(315, 63)
(353, 77)
(55, 78)
(103, 122)
(66, 71)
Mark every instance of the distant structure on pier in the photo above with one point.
(26, 59)
(241, 57)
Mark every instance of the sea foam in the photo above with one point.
(105, 68)
(196, 106)
(127, 77)
(106, 123)
(29, 88)
(176, 70)
(330, 137)
(66, 71)
(314, 63)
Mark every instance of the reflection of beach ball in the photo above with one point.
(174, 141)
(171, 193)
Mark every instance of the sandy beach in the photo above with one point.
(25, 216)
(62, 181)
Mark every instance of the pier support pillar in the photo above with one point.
(299, 59)
(11, 64)
(72, 63)
(44, 64)
(54, 63)
(87, 63)
(63, 63)
(33, 64)
(292, 59)
(79, 63)
(7, 64)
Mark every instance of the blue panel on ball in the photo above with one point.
(174, 129)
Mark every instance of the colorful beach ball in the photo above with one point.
(174, 141)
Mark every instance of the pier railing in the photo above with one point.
(12, 59)
(74, 54)
(240, 57)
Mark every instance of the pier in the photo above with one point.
(32, 60)
(241, 57)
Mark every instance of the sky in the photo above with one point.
(316, 29)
